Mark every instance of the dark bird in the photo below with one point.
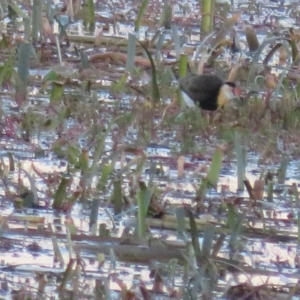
(207, 91)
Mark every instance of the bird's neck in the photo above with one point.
(225, 94)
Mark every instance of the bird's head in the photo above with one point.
(228, 91)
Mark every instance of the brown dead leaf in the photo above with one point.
(258, 189)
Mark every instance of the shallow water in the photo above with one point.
(271, 251)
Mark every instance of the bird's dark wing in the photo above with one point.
(200, 84)
(202, 89)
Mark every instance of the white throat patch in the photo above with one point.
(227, 90)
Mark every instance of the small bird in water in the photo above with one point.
(207, 91)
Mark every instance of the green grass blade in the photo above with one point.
(270, 190)
(117, 196)
(23, 71)
(282, 169)
(176, 40)
(32, 187)
(279, 85)
(36, 20)
(155, 89)
(257, 55)
(159, 45)
(89, 15)
(209, 234)
(183, 64)
(240, 161)
(61, 193)
(215, 168)
(212, 176)
(106, 171)
(17, 10)
(56, 93)
(194, 235)
(144, 198)
(26, 20)
(94, 212)
(120, 84)
(234, 223)
(84, 59)
(297, 204)
(207, 15)
(201, 191)
(180, 216)
(24, 62)
(11, 162)
(56, 250)
(130, 53)
(84, 161)
(166, 15)
(138, 21)
(100, 148)
(7, 69)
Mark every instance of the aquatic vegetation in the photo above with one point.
(112, 188)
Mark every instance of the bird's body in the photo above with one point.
(207, 91)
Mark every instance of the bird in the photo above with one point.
(207, 91)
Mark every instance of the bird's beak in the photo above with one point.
(237, 92)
